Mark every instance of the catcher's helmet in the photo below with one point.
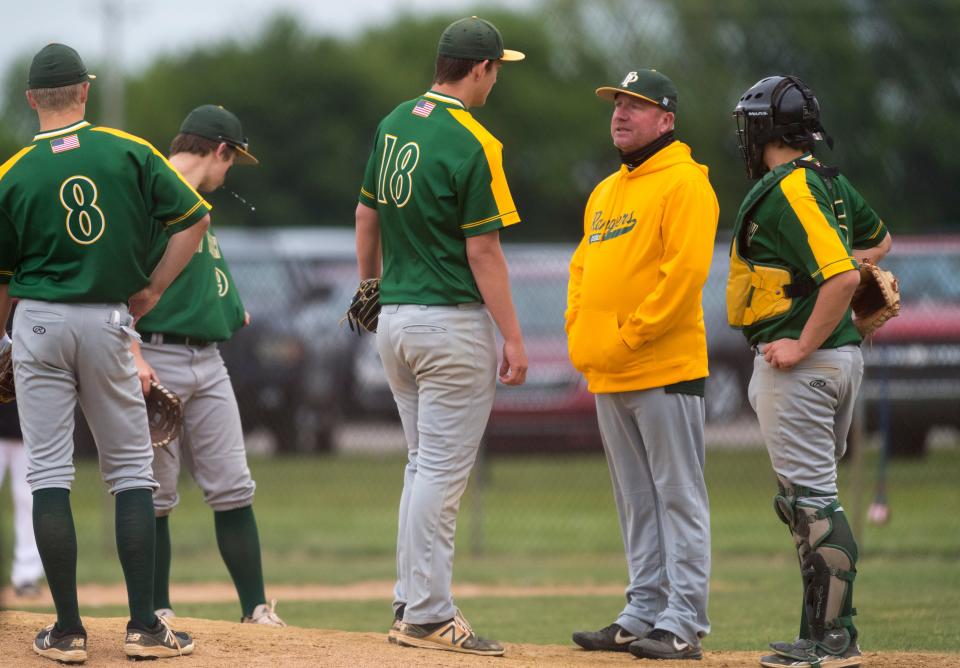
(773, 108)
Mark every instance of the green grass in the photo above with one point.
(552, 521)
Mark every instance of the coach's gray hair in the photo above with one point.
(57, 99)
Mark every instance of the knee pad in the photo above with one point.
(828, 555)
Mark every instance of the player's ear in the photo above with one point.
(32, 102)
(479, 69)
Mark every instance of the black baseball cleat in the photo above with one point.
(661, 644)
(63, 646)
(159, 642)
(613, 638)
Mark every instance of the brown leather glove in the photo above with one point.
(876, 299)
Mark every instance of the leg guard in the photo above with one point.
(828, 554)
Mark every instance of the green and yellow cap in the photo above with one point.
(474, 38)
(215, 123)
(55, 66)
(648, 85)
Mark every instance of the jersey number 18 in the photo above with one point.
(399, 181)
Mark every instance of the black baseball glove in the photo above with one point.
(364, 310)
(165, 415)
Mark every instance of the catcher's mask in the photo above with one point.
(777, 107)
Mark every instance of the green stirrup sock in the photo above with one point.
(57, 544)
(161, 575)
(239, 545)
(136, 546)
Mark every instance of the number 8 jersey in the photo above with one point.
(435, 176)
(95, 200)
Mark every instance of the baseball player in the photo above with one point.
(27, 568)
(79, 207)
(434, 199)
(635, 329)
(179, 350)
(797, 240)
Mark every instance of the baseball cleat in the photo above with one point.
(63, 646)
(160, 642)
(395, 629)
(396, 626)
(661, 644)
(166, 613)
(264, 614)
(809, 654)
(613, 638)
(453, 635)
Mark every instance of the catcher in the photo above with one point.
(179, 350)
(798, 238)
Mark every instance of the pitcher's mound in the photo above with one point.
(233, 645)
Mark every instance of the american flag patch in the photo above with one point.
(423, 108)
(61, 144)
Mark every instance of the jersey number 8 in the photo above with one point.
(399, 183)
(85, 220)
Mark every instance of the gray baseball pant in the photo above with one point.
(805, 413)
(63, 353)
(211, 444)
(655, 450)
(441, 362)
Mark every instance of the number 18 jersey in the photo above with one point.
(435, 176)
(80, 209)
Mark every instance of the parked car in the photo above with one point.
(552, 410)
(912, 365)
(291, 366)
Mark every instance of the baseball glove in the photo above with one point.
(364, 310)
(8, 391)
(165, 415)
(876, 299)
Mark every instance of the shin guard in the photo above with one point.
(827, 554)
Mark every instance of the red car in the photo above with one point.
(552, 410)
(912, 366)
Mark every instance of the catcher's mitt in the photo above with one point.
(364, 310)
(876, 299)
(165, 415)
(8, 391)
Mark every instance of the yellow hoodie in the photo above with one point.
(634, 317)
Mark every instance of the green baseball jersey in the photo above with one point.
(808, 222)
(435, 176)
(80, 208)
(202, 302)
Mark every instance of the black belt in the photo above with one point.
(176, 339)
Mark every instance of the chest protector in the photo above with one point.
(758, 291)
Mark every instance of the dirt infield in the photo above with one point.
(231, 645)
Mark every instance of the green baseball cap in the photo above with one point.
(648, 85)
(55, 66)
(215, 123)
(474, 39)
